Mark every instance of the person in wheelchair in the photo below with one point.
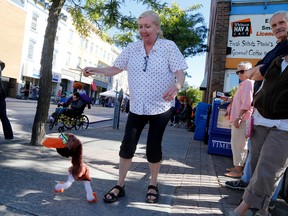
(184, 115)
(75, 107)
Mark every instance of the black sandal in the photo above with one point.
(152, 194)
(114, 197)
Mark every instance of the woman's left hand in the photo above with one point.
(170, 93)
(237, 122)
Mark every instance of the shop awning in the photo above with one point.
(94, 86)
(203, 85)
(109, 93)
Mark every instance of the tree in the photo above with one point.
(194, 94)
(45, 83)
(97, 16)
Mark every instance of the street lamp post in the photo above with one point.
(118, 101)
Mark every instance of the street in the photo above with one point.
(21, 114)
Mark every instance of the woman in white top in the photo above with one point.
(155, 75)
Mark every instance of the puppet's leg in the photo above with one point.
(91, 196)
(60, 187)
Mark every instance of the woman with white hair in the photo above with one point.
(241, 111)
(155, 75)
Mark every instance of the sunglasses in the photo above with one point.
(240, 71)
(146, 58)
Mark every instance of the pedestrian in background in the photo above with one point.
(176, 110)
(240, 113)
(7, 129)
(184, 115)
(153, 64)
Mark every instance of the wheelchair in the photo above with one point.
(77, 120)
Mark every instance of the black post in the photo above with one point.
(117, 110)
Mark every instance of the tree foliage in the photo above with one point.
(183, 27)
(194, 94)
(233, 91)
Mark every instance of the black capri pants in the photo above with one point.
(134, 127)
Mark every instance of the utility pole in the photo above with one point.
(118, 101)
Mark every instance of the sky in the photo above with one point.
(196, 64)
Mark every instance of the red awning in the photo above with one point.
(93, 86)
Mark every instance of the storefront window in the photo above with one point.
(231, 80)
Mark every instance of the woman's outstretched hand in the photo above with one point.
(88, 71)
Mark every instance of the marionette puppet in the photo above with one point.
(68, 145)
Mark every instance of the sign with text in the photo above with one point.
(241, 29)
(221, 144)
(250, 36)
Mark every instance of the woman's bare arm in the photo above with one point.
(107, 71)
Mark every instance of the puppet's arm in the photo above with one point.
(60, 187)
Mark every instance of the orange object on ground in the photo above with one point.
(52, 142)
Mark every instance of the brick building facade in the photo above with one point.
(217, 45)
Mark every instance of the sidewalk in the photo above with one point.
(190, 181)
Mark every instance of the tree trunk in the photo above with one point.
(45, 84)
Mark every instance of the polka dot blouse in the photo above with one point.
(150, 76)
